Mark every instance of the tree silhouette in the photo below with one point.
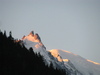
(10, 36)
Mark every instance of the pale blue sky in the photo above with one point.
(72, 25)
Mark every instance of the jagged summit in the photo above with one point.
(32, 37)
(33, 40)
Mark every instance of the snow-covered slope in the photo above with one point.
(61, 59)
(34, 41)
(84, 66)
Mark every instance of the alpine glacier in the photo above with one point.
(73, 64)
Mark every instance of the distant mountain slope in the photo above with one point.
(86, 67)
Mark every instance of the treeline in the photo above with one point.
(15, 59)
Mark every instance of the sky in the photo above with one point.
(72, 25)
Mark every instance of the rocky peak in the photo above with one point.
(32, 33)
(37, 37)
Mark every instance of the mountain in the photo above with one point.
(16, 59)
(73, 64)
(34, 41)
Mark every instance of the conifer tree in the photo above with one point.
(10, 35)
